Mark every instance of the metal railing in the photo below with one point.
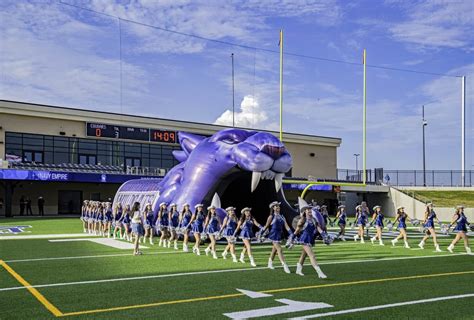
(420, 178)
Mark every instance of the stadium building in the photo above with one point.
(65, 155)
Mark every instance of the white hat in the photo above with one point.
(230, 209)
(317, 207)
(341, 206)
(460, 207)
(359, 206)
(304, 207)
(173, 205)
(164, 204)
(211, 207)
(430, 204)
(198, 205)
(374, 208)
(400, 207)
(148, 204)
(324, 206)
(245, 209)
(186, 204)
(274, 203)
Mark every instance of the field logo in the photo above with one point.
(13, 230)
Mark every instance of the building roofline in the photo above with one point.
(291, 137)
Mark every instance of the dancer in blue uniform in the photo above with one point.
(84, 209)
(98, 219)
(137, 222)
(126, 218)
(246, 223)
(92, 215)
(108, 219)
(173, 218)
(118, 212)
(149, 222)
(461, 228)
(402, 226)
(276, 222)
(162, 224)
(428, 223)
(342, 216)
(378, 219)
(197, 221)
(361, 220)
(306, 230)
(212, 226)
(227, 230)
(185, 225)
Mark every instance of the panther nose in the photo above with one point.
(273, 151)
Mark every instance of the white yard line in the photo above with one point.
(106, 255)
(48, 236)
(214, 272)
(90, 257)
(384, 306)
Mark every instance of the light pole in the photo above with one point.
(424, 123)
(233, 91)
(356, 155)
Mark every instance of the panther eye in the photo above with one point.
(228, 141)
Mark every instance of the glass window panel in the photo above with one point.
(61, 157)
(155, 163)
(28, 156)
(48, 141)
(48, 157)
(86, 144)
(167, 163)
(38, 157)
(13, 134)
(33, 141)
(61, 142)
(13, 140)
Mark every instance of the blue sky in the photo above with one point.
(58, 54)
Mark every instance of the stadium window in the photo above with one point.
(61, 142)
(12, 139)
(48, 157)
(155, 163)
(155, 150)
(104, 159)
(61, 157)
(167, 163)
(132, 162)
(33, 156)
(87, 159)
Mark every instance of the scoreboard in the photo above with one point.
(102, 130)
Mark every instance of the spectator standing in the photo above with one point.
(29, 212)
(22, 205)
(40, 206)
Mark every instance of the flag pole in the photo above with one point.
(364, 122)
(281, 84)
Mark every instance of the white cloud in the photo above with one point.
(251, 115)
(436, 24)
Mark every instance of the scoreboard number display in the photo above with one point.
(102, 130)
(163, 136)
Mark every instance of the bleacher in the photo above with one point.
(88, 168)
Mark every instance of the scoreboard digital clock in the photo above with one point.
(102, 130)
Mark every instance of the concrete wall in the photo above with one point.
(416, 208)
(322, 165)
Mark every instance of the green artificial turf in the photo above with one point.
(445, 198)
(43, 225)
(343, 262)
